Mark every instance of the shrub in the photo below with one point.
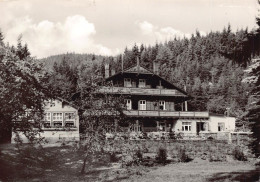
(145, 136)
(182, 156)
(217, 157)
(138, 157)
(257, 163)
(210, 138)
(179, 136)
(238, 154)
(132, 158)
(113, 157)
(161, 155)
(172, 135)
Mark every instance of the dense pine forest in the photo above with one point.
(212, 67)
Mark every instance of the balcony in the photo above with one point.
(141, 91)
(173, 114)
(60, 128)
(157, 113)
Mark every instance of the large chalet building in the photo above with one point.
(153, 104)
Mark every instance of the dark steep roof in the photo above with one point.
(137, 69)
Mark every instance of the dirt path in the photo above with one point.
(200, 172)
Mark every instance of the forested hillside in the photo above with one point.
(212, 67)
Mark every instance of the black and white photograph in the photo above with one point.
(129, 90)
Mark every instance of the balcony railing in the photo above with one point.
(60, 128)
(140, 91)
(174, 114)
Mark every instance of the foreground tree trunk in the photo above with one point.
(84, 165)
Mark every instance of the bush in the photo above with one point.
(257, 163)
(210, 138)
(138, 157)
(172, 135)
(238, 154)
(161, 155)
(182, 156)
(132, 158)
(217, 157)
(113, 157)
(179, 136)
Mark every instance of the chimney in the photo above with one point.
(138, 65)
(227, 112)
(122, 63)
(156, 68)
(106, 70)
(186, 103)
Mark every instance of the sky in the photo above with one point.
(107, 27)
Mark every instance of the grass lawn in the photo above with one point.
(63, 163)
(201, 171)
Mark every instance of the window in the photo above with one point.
(47, 120)
(221, 126)
(70, 116)
(128, 104)
(69, 119)
(48, 116)
(186, 126)
(57, 119)
(52, 104)
(141, 83)
(162, 105)
(127, 82)
(142, 104)
(57, 116)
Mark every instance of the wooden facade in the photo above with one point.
(152, 103)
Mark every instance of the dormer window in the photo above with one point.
(52, 104)
(127, 82)
(142, 83)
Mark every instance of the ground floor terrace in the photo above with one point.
(165, 125)
(189, 126)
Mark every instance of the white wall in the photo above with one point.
(178, 125)
(229, 123)
(59, 107)
(57, 134)
(212, 124)
(52, 136)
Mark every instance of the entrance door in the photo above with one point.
(200, 127)
(162, 126)
(135, 104)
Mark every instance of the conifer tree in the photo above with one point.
(253, 111)
(1, 38)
